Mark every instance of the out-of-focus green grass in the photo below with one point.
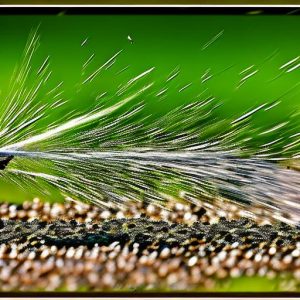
(250, 284)
(246, 284)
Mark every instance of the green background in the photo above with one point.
(164, 42)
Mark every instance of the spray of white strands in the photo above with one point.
(116, 152)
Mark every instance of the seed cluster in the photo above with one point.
(77, 246)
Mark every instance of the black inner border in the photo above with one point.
(127, 10)
(133, 294)
(149, 10)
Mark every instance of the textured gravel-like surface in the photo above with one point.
(146, 232)
(76, 246)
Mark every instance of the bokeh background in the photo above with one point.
(168, 43)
